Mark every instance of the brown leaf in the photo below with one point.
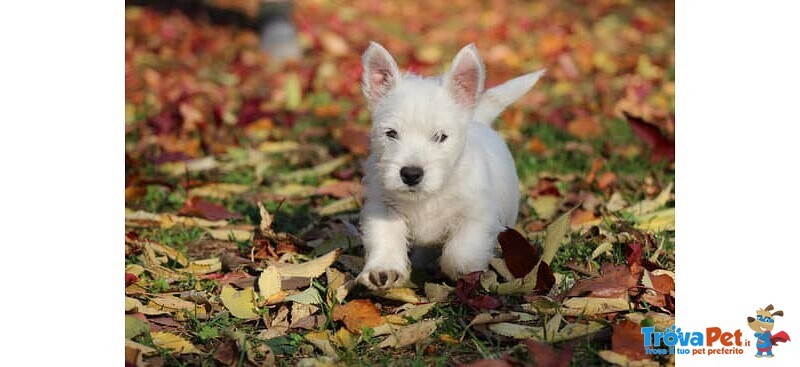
(546, 356)
(627, 339)
(467, 292)
(357, 314)
(197, 207)
(585, 127)
(519, 254)
(663, 148)
(614, 282)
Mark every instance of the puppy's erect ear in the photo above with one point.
(465, 78)
(380, 72)
(777, 313)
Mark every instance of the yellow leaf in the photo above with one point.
(309, 269)
(410, 334)
(269, 282)
(172, 304)
(593, 305)
(310, 296)
(651, 205)
(321, 340)
(603, 248)
(555, 235)
(323, 169)
(227, 234)
(241, 304)
(545, 206)
(399, 294)
(200, 267)
(344, 339)
(174, 343)
(662, 220)
(437, 292)
(272, 147)
(218, 190)
(170, 252)
(339, 206)
(134, 269)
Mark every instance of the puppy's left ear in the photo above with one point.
(465, 78)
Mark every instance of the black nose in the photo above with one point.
(411, 175)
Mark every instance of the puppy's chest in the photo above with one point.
(431, 223)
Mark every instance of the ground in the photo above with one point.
(243, 188)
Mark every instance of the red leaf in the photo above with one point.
(544, 278)
(663, 148)
(467, 292)
(130, 279)
(520, 256)
(546, 356)
(198, 207)
(614, 282)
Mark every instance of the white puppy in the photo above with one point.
(437, 175)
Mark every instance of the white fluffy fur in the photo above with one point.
(468, 192)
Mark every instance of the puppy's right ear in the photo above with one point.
(380, 72)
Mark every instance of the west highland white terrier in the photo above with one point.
(437, 174)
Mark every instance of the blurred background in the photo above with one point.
(245, 91)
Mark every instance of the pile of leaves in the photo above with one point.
(243, 188)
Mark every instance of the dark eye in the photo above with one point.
(440, 138)
(391, 134)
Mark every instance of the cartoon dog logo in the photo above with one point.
(762, 324)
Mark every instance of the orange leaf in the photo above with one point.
(357, 314)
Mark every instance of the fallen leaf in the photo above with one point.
(174, 343)
(200, 267)
(545, 354)
(344, 339)
(241, 303)
(174, 304)
(310, 296)
(135, 327)
(197, 207)
(520, 255)
(269, 282)
(556, 232)
(410, 334)
(218, 190)
(323, 169)
(614, 282)
(662, 220)
(357, 314)
(467, 292)
(399, 294)
(309, 269)
(627, 339)
(321, 340)
(437, 292)
(577, 306)
(662, 147)
(546, 206)
(650, 205)
(341, 189)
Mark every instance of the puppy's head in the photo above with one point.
(419, 125)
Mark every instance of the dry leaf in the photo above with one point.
(437, 292)
(410, 334)
(241, 303)
(357, 314)
(309, 269)
(399, 294)
(174, 343)
(200, 267)
(321, 340)
(269, 282)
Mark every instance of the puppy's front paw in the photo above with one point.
(381, 278)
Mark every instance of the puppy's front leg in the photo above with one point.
(384, 237)
(469, 249)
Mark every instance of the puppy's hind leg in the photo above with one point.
(469, 249)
